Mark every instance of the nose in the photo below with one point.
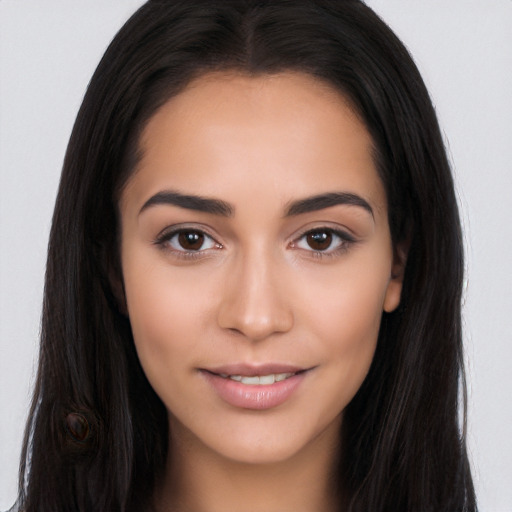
(254, 302)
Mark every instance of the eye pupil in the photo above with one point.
(319, 240)
(191, 240)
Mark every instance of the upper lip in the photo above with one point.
(252, 370)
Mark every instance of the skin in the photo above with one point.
(255, 289)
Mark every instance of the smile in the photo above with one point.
(257, 388)
(258, 380)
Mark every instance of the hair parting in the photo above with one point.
(403, 447)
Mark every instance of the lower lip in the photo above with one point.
(257, 397)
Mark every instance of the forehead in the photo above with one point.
(288, 134)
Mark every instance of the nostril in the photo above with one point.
(253, 304)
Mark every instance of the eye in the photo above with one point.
(187, 241)
(324, 240)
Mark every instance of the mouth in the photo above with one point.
(255, 387)
(259, 380)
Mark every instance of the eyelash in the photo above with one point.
(343, 244)
(164, 242)
(345, 241)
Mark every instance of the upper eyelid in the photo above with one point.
(170, 231)
(344, 233)
(162, 241)
(346, 241)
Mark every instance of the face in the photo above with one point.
(257, 262)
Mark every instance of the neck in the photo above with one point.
(200, 480)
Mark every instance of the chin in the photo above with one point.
(261, 454)
(271, 443)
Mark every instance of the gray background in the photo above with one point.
(48, 51)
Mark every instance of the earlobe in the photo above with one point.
(393, 293)
(394, 289)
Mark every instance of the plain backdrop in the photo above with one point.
(48, 52)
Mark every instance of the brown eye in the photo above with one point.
(187, 241)
(324, 241)
(319, 240)
(191, 240)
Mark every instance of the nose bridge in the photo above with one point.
(254, 301)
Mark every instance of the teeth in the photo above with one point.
(267, 379)
(260, 380)
(250, 380)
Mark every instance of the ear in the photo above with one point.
(394, 289)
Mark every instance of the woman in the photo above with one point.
(254, 274)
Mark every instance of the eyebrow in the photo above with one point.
(224, 209)
(321, 201)
(190, 202)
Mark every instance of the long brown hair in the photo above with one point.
(404, 449)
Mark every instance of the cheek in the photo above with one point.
(344, 312)
(346, 303)
(167, 314)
